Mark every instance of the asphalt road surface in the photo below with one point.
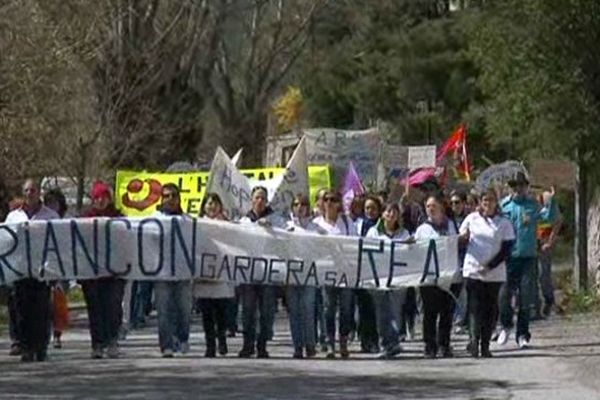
(563, 364)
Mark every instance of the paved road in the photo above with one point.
(563, 365)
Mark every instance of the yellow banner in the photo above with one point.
(137, 193)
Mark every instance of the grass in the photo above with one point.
(75, 295)
(572, 301)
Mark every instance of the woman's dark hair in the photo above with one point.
(301, 198)
(56, 195)
(461, 195)
(172, 187)
(257, 188)
(376, 200)
(210, 196)
(394, 206)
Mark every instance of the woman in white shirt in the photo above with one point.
(216, 299)
(301, 300)
(388, 304)
(438, 304)
(334, 222)
(490, 239)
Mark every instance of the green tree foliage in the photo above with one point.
(403, 62)
(539, 65)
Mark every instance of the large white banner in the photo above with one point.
(182, 248)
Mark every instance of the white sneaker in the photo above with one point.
(523, 343)
(503, 337)
(184, 348)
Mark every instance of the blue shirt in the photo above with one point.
(525, 213)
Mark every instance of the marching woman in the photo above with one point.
(389, 303)
(438, 305)
(490, 238)
(103, 296)
(334, 222)
(55, 199)
(367, 323)
(173, 298)
(261, 298)
(301, 300)
(214, 298)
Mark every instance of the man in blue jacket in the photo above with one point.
(524, 212)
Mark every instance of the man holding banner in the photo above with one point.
(32, 296)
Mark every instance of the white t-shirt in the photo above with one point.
(426, 231)
(485, 241)
(401, 234)
(340, 227)
(19, 215)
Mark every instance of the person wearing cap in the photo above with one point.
(524, 212)
(103, 296)
(32, 296)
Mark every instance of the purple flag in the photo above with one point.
(352, 186)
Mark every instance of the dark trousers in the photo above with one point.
(409, 311)
(367, 320)
(438, 309)
(482, 303)
(214, 319)
(257, 299)
(13, 317)
(103, 298)
(32, 299)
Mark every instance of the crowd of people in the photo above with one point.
(505, 245)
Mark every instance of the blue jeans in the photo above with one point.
(388, 305)
(174, 308)
(301, 301)
(257, 298)
(341, 299)
(142, 301)
(517, 281)
(545, 264)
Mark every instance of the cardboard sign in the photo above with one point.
(553, 173)
(421, 157)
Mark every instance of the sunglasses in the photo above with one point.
(329, 198)
(455, 202)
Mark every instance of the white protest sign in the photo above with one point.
(230, 184)
(293, 182)
(235, 160)
(421, 157)
(182, 248)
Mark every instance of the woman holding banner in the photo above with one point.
(103, 296)
(301, 300)
(258, 297)
(438, 304)
(490, 239)
(367, 322)
(214, 298)
(334, 222)
(389, 303)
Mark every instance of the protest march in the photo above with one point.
(231, 243)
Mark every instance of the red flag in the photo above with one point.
(453, 154)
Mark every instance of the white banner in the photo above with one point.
(421, 157)
(182, 248)
(293, 182)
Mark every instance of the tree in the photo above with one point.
(258, 45)
(540, 65)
